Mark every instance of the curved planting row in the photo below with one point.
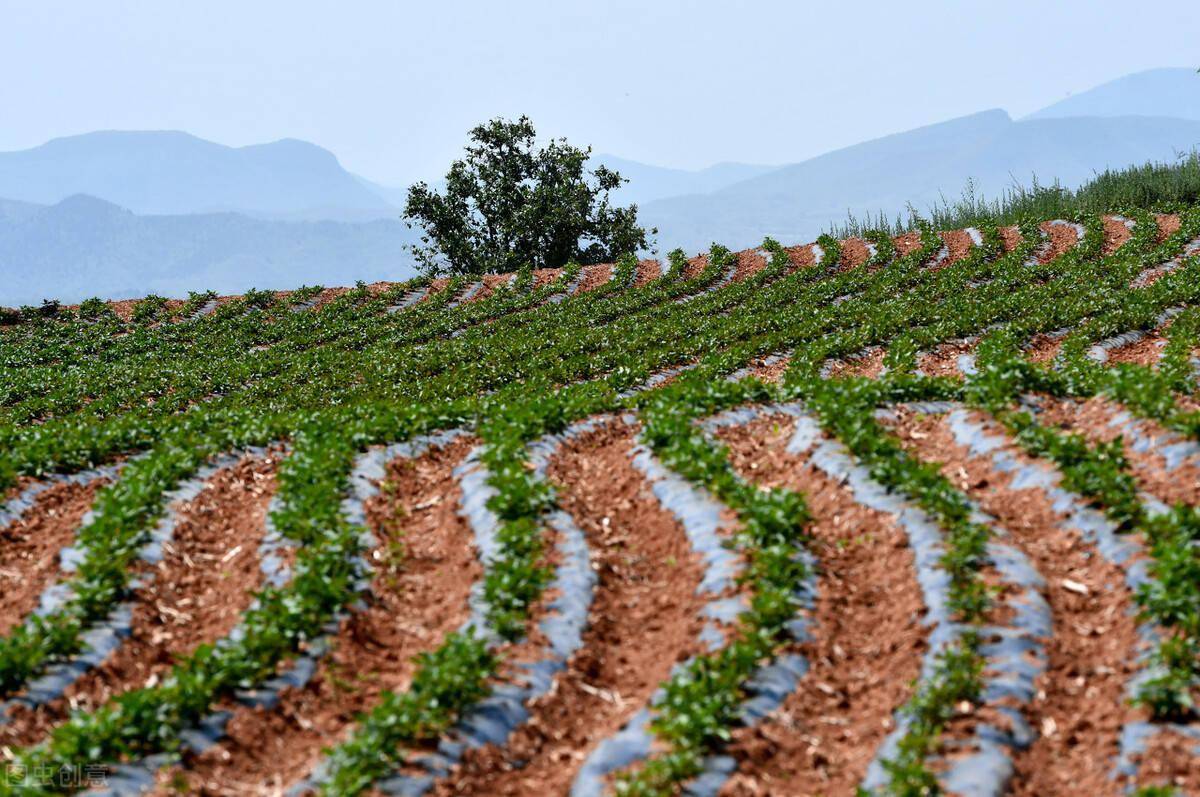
(707, 526)
(644, 613)
(529, 668)
(664, 685)
(316, 694)
(156, 694)
(192, 576)
(37, 523)
(1073, 720)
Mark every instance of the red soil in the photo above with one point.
(197, 593)
(1168, 225)
(595, 276)
(868, 638)
(1043, 348)
(436, 286)
(1091, 419)
(644, 619)
(959, 243)
(424, 567)
(802, 257)
(749, 263)
(1011, 236)
(544, 276)
(1063, 238)
(1147, 351)
(943, 360)
(490, 283)
(771, 374)
(1080, 705)
(1115, 234)
(907, 243)
(695, 266)
(30, 546)
(18, 486)
(647, 271)
(1169, 760)
(869, 364)
(854, 254)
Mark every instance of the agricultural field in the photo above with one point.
(902, 514)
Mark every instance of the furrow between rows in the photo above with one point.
(716, 601)
(1098, 653)
(36, 525)
(818, 715)
(644, 616)
(191, 573)
(415, 582)
(529, 667)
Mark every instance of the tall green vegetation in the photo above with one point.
(1151, 186)
(509, 205)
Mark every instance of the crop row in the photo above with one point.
(351, 375)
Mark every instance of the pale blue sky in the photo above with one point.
(391, 87)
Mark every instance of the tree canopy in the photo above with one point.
(508, 204)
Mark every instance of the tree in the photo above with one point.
(509, 205)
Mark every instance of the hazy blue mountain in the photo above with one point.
(171, 172)
(393, 195)
(11, 210)
(301, 218)
(647, 183)
(85, 246)
(1155, 92)
(795, 203)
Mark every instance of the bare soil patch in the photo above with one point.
(943, 360)
(424, 567)
(19, 485)
(1063, 238)
(1115, 234)
(595, 276)
(436, 286)
(868, 364)
(749, 263)
(1147, 351)
(907, 243)
(771, 374)
(1091, 419)
(647, 271)
(544, 276)
(1011, 237)
(1080, 704)
(802, 257)
(195, 596)
(868, 637)
(1168, 225)
(490, 283)
(644, 619)
(30, 546)
(695, 266)
(959, 243)
(1169, 760)
(1043, 348)
(854, 254)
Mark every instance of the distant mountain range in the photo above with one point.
(127, 213)
(795, 203)
(165, 172)
(648, 183)
(1155, 92)
(83, 246)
